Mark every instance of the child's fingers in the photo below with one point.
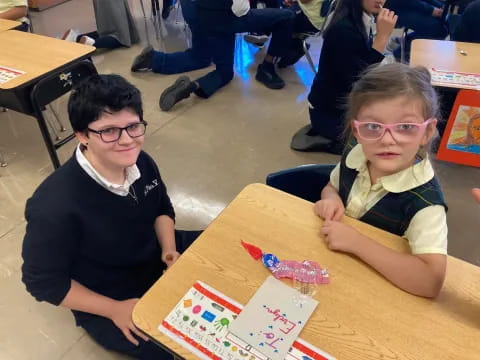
(338, 214)
(329, 211)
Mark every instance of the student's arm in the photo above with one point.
(330, 206)
(49, 249)
(386, 21)
(14, 13)
(476, 195)
(165, 222)
(421, 274)
(83, 299)
(165, 230)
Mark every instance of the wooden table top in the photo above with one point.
(36, 55)
(360, 314)
(8, 24)
(445, 55)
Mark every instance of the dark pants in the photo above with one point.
(23, 27)
(102, 42)
(221, 27)
(191, 59)
(423, 26)
(327, 123)
(104, 331)
(302, 25)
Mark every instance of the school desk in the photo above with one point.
(39, 58)
(446, 55)
(360, 315)
(8, 24)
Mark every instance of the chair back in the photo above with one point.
(306, 181)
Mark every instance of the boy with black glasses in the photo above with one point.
(100, 229)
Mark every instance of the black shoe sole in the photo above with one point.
(172, 94)
(274, 86)
(140, 59)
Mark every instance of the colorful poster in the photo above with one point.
(461, 140)
(465, 134)
(200, 322)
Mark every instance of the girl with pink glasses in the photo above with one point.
(387, 180)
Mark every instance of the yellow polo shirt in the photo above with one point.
(8, 4)
(427, 232)
(312, 10)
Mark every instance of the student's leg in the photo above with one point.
(107, 42)
(104, 332)
(221, 47)
(296, 51)
(279, 22)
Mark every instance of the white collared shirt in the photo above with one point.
(427, 231)
(132, 174)
(369, 22)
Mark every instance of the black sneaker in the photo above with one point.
(268, 76)
(181, 89)
(143, 62)
(292, 58)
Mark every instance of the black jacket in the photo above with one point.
(345, 54)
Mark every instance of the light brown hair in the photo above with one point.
(383, 82)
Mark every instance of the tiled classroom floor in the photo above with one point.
(207, 150)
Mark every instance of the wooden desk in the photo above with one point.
(445, 55)
(360, 314)
(8, 25)
(39, 57)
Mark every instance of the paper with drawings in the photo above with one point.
(273, 318)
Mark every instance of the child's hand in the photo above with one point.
(437, 12)
(330, 209)
(169, 257)
(476, 195)
(386, 21)
(341, 237)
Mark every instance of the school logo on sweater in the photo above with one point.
(149, 187)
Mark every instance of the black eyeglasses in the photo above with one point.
(112, 134)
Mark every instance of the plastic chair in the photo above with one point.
(305, 181)
(51, 88)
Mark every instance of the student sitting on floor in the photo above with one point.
(100, 229)
(351, 43)
(220, 20)
(115, 26)
(15, 10)
(387, 180)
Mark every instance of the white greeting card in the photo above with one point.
(273, 318)
(200, 322)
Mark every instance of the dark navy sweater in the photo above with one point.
(76, 229)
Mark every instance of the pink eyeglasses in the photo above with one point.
(400, 131)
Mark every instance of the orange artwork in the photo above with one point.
(461, 140)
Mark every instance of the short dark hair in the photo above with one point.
(98, 93)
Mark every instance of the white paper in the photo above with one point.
(273, 318)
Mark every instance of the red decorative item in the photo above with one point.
(254, 251)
